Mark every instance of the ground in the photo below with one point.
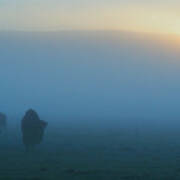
(87, 153)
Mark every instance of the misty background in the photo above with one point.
(111, 101)
(89, 76)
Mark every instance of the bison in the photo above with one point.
(3, 122)
(32, 129)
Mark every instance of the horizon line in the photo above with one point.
(89, 30)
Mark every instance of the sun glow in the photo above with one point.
(146, 19)
(129, 17)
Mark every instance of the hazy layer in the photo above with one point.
(89, 75)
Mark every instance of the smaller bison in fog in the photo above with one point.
(3, 122)
(32, 129)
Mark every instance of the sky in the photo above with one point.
(88, 76)
(160, 16)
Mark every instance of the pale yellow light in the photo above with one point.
(131, 17)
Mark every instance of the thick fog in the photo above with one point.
(77, 75)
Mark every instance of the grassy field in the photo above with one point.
(88, 152)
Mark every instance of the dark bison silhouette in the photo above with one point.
(3, 122)
(32, 129)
